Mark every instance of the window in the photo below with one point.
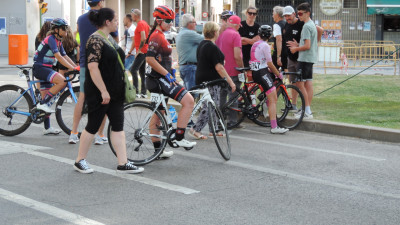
(350, 4)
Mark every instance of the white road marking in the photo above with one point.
(292, 146)
(111, 172)
(289, 175)
(45, 208)
(12, 147)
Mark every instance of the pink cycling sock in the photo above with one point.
(274, 124)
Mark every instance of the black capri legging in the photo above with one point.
(115, 113)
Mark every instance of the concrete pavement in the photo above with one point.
(328, 127)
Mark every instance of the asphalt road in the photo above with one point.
(297, 178)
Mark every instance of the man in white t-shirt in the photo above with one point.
(130, 50)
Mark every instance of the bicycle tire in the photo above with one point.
(217, 124)
(11, 123)
(227, 108)
(134, 119)
(65, 112)
(263, 117)
(285, 113)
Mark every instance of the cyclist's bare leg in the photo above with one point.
(119, 146)
(186, 110)
(58, 82)
(272, 99)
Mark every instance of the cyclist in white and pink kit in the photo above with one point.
(261, 66)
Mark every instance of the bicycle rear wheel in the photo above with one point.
(142, 127)
(65, 112)
(220, 132)
(229, 108)
(12, 123)
(290, 107)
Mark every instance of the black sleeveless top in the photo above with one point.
(99, 50)
(281, 24)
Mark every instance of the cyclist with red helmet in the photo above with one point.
(159, 59)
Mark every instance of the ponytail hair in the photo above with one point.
(99, 17)
(152, 30)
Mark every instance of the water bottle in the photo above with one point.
(253, 100)
(174, 115)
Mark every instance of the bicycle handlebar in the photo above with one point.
(206, 83)
(242, 69)
(74, 72)
(292, 73)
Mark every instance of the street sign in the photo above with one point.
(205, 14)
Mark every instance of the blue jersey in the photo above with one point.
(44, 55)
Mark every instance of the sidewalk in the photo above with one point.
(327, 127)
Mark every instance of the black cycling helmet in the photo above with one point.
(226, 14)
(58, 22)
(265, 31)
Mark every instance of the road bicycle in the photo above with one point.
(252, 103)
(145, 123)
(18, 106)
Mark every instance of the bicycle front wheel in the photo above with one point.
(143, 126)
(229, 110)
(219, 130)
(12, 123)
(65, 112)
(290, 107)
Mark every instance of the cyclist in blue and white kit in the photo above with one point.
(263, 71)
(47, 54)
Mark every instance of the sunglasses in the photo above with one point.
(252, 13)
(168, 21)
(300, 13)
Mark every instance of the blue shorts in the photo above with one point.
(44, 73)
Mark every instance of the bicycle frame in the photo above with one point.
(31, 91)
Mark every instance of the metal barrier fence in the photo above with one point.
(349, 55)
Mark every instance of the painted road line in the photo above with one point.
(111, 172)
(290, 175)
(45, 208)
(292, 146)
(12, 147)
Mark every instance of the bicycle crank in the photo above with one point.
(171, 137)
(38, 116)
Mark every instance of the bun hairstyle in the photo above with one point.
(99, 17)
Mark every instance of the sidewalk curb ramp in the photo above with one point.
(335, 128)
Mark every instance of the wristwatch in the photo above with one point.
(129, 53)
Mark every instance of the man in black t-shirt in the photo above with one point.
(249, 33)
(292, 31)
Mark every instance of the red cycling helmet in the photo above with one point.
(163, 12)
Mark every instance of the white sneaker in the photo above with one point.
(184, 143)
(279, 130)
(98, 140)
(144, 96)
(45, 107)
(138, 95)
(52, 131)
(73, 139)
(166, 154)
(105, 139)
(306, 116)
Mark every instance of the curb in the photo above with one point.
(335, 128)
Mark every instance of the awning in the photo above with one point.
(391, 7)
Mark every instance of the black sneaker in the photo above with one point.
(190, 124)
(129, 168)
(83, 167)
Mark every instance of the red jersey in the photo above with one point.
(141, 26)
(161, 50)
